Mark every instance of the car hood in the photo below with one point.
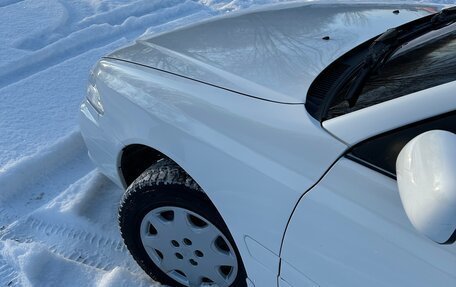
(273, 53)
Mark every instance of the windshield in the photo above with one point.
(428, 61)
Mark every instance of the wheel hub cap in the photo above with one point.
(188, 248)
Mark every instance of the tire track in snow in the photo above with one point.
(114, 17)
(6, 3)
(55, 166)
(119, 15)
(63, 221)
(8, 276)
(90, 38)
(65, 226)
(88, 248)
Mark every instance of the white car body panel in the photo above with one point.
(273, 53)
(199, 127)
(359, 125)
(351, 230)
(234, 119)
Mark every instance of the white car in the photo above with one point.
(289, 145)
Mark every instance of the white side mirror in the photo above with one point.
(426, 176)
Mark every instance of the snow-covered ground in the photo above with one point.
(57, 212)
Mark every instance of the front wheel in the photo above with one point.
(175, 233)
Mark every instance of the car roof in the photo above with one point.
(273, 53)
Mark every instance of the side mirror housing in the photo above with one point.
(426, 177)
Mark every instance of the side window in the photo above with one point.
(380, 152)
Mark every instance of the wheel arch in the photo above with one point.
(134, 159)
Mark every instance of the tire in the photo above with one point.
(150, 211)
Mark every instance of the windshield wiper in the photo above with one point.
(388, 43)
